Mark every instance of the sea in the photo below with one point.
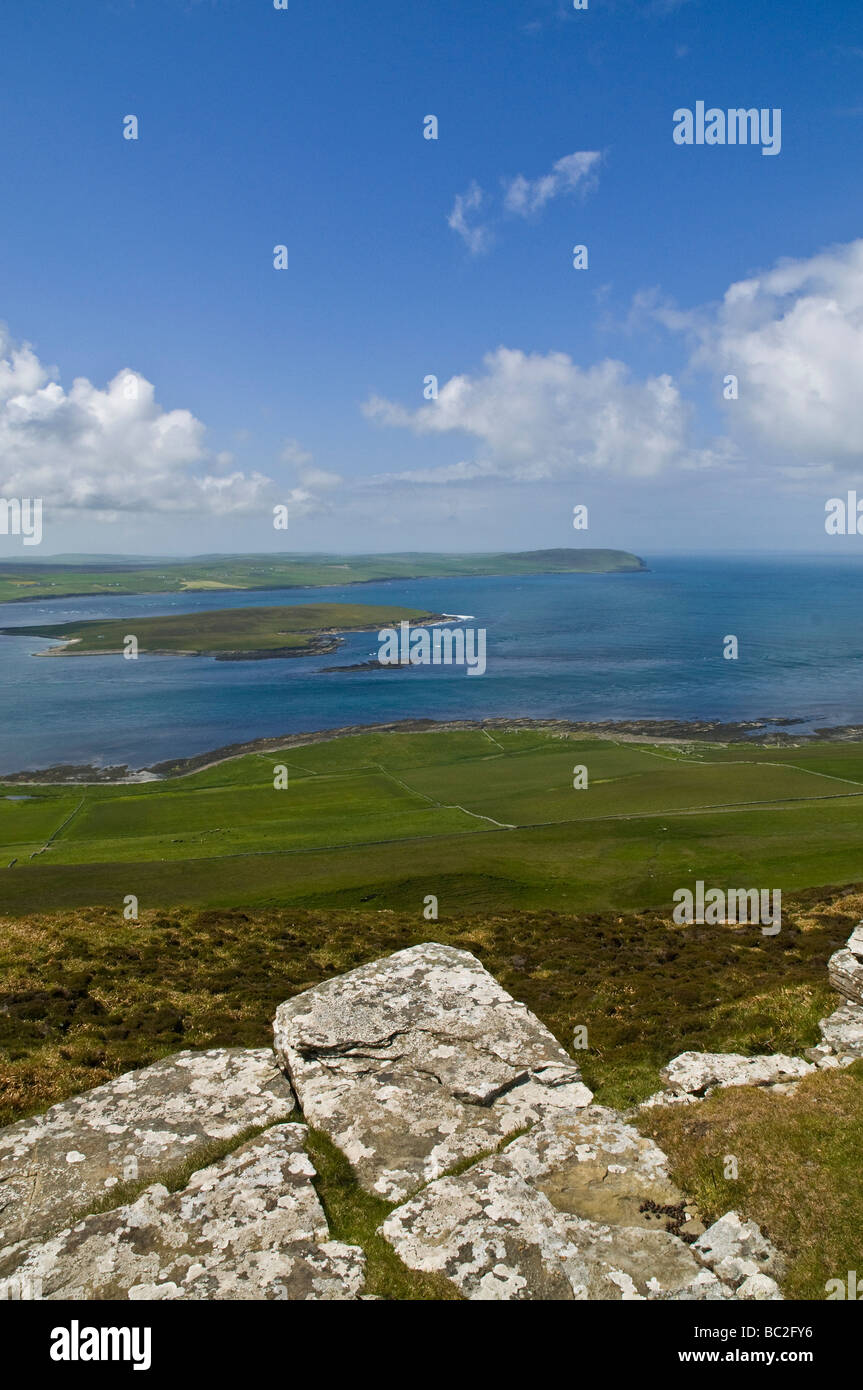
(645, 645)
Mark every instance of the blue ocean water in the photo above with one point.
(586, 647)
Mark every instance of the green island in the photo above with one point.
(226, 633)
(79, 576)
(253, 885)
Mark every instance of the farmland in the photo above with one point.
(483, 820)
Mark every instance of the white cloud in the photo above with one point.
(320, 479)
(109, 450)
(294, 453)
(793, 335)
(303, 463)
(526, 196)
(542, 417)
(475, 235)
(446, 473)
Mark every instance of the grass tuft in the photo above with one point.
(354, 1217)
(798, 1163)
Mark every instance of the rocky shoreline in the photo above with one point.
(764, 732)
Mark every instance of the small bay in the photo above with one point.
(582, 647)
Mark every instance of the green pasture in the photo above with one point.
(485, 820)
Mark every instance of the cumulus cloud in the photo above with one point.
(574, 171)
(793, 335)
(109, 450)
(540, 417)
(475, 235)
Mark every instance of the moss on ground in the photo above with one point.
(85, 995)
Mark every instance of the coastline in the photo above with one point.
(760, 732)
(274, 587)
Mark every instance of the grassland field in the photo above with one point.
(485, 821)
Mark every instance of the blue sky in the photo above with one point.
(154, 258)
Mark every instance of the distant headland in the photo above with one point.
(70, 576)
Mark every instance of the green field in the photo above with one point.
(30, 580)
(249, 894)
(483, 820)
(287, 631)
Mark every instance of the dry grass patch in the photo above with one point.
(800, 1174)
(85, 995)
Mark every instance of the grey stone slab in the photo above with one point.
(248, 1227)
(56, 1165)
(418, 1061)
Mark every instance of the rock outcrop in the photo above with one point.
(248, 1227)
(737, 1252)
(841, 1037)
(700, 1073)
(842, 1032)
(574, 1210)
(845, 968)
(451, 1100)
(691, 1076)
(136, 1128)
(419, 1061)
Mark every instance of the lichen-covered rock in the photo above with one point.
(698, 1073)
(492, 1234)
(854, 944)
(578, 1209)
(664, 1098)
(591, 1164)
(247, 1227)
(842, 1033)
(760, 1287)
(737, 1251)
(56, 1165)
(418, 1061)
(498, 1236)
(629, 1263)
(845, 970)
